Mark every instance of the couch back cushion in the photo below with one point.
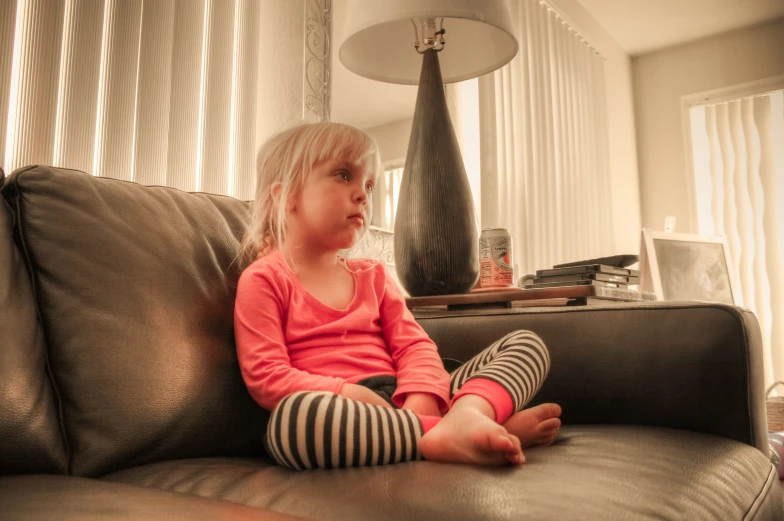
(135, 288)
(30, 436)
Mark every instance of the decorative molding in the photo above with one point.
(376, 244)
(318, 38)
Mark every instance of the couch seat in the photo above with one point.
(67, 498)
(591, 472)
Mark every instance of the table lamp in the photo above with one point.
(403, 41)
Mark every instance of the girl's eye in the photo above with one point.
(369, 187)
(343, 175)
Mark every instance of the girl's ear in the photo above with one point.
(275, 193)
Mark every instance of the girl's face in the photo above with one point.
(334, 207)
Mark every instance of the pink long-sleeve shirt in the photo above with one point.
(288, 340)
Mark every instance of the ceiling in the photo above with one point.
(638, 26)
(641, 26)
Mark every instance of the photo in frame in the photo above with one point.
(681, 266)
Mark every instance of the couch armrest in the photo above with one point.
(688, 365)
(68, 498)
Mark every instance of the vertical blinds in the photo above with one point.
(153, 91)
(739, 179)
(545, 167)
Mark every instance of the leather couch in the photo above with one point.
(121, 397)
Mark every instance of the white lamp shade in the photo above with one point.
(379, 38)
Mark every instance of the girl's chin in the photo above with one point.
(348, 239)
(350, 243)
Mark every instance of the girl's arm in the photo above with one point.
(419, 367)
(261, 347)
(424, 404)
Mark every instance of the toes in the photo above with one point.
(517, 453)
(548, 437)
(548, 410)
(515, 458)
(498, 442)
(550, 425)
(516, 445)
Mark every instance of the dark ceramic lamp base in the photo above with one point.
(436, 233)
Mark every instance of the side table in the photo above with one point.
(506, 298)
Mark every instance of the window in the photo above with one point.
(738, 168)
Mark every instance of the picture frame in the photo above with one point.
(682, 266)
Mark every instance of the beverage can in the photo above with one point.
(495, 258)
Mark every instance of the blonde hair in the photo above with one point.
(287, 159)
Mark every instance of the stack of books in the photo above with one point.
(585, 275)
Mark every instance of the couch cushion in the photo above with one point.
(592, 472)
(29, 427)
(135, 290)
(68, 498)
(684, 365)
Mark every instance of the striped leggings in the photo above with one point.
(316, 429)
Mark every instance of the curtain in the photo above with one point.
(153, 91)
(738, 154)
(544, 149)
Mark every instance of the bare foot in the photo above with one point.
(467, 435)
(535, 426)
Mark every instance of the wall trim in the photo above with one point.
(318, 50)
(749, 89)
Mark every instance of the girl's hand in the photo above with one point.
(362, 394)
(424, 404)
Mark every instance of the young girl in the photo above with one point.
(329, 347)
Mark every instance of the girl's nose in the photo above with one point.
(361, 196)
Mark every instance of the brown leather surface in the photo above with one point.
(591, 473)
(695, 366)
(30, 438)
(61, 498)
(134, 288)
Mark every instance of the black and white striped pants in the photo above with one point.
(317, 429)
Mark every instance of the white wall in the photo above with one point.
(392, 139)
(625, 186)
(280, 94)
(661, 79)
